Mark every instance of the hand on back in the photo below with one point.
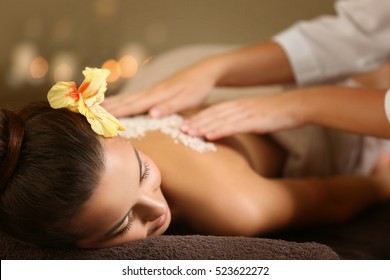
(185, 90)
(260, 114)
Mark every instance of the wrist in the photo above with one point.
(215, 68)
(299, 106)
(313, 103)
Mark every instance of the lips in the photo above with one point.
(161, 221)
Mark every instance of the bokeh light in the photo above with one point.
(63, 72)
(21, 58)
(39, 68)
(128, 65)
(115, 70)
(64, 66)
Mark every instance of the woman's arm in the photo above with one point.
(264, 63)
(358, 110)
(260, 64)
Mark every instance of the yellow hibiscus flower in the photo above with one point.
(86, 99)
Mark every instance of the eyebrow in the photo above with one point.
(139, 163)
(117, 225)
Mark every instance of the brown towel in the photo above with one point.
(180, 247)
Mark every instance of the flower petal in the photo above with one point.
(94, 85)
(86, 100)
(64, 95)
(102, 122)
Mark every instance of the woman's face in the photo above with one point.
(128, 203)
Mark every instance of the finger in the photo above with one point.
(208, 114)
(173, 105)
(224, 119)
(134, 104)
(117, 105)
(112, 101)
(230, 125)
(240, 125)
(205, 120)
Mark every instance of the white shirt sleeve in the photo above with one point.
(328, 48)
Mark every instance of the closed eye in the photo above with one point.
(146, 172)
(128, 225)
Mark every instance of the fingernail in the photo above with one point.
(184, 127)
(155, 113)
(210, 136)
(192, 131)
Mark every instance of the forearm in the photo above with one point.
(357, 110)
(261, 64)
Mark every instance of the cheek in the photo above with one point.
(156, 171)
(155, 175)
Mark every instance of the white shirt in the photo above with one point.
(330, 48)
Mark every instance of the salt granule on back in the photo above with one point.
(137, 126)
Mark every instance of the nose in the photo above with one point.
(150, 208)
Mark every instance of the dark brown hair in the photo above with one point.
(50, 163)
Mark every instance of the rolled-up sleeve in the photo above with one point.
(328, 48)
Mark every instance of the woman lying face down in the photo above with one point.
(66, 179)
(128, 203)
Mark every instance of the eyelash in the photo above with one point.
(146, 172)
(128, 226)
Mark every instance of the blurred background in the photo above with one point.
(44, 41)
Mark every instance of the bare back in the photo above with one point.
(208, 190)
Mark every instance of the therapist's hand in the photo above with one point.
(185, 90)
(261, 114)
